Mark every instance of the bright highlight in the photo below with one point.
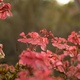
(63, 1)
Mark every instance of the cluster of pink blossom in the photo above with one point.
(45, 63)
(5, 10)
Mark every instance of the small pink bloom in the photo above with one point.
(60, 43)
(11, 68)
(43, 42)
(74, 38)
(5, 10)
(22, 34)
(71, 51)
(33, 35)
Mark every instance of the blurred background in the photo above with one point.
(59, 16)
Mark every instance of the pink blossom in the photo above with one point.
(5, 10)
(74, 38)
(71, 51)
(33, 35)
(60, 43)
(11, 68)
(22, 75)
(23, 35)
(34, 59)
(43, 42)
(45, 61)
(34, 39)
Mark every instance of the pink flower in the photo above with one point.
(74, 38)
(59, 65)
(33, 35)
(5, 10)
(60, 43)
(71, 51)
(23, 75)
(34, 39)
(23, 35)
(45, 61)
(6, 66)
(43, 42)
(11, 68)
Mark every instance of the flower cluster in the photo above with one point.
(5, 10)
(37, 62)
(45, 64)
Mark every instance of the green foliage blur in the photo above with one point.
(34, 15)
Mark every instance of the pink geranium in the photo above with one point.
(43, 64)
(5, 10)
